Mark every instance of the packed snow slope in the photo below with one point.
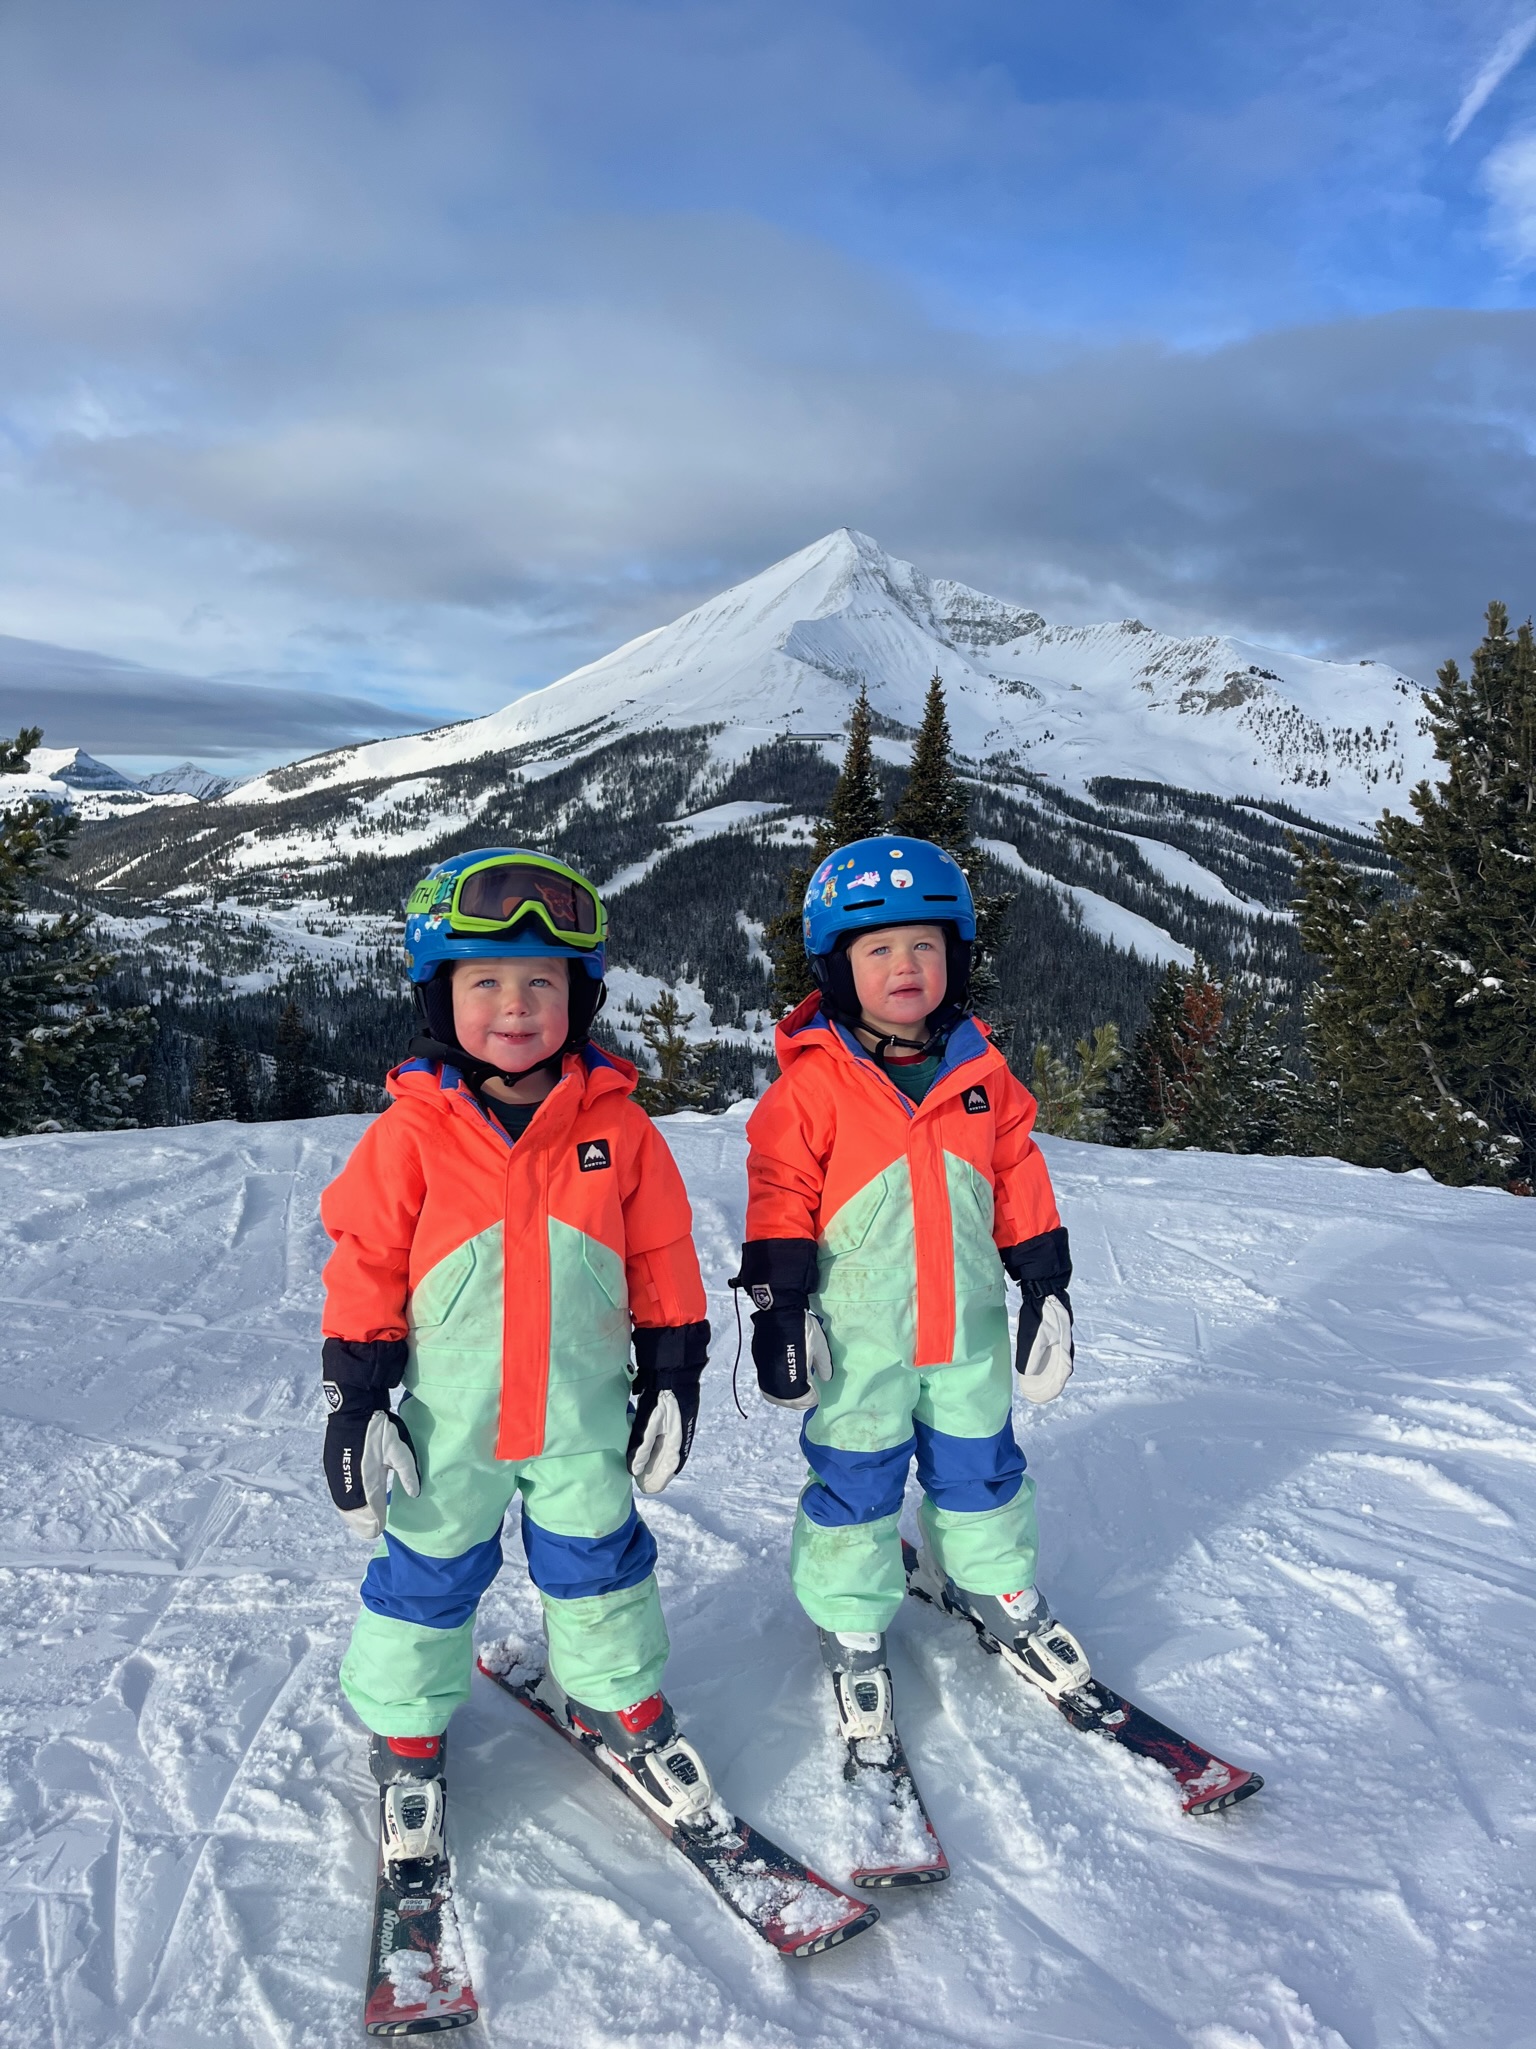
(789, 649)
(1287, 1501)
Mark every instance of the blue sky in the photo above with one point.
(364, 365)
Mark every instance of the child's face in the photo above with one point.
(512, 1012)
(899, 975)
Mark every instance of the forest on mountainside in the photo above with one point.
(1148, 927)
(230, 912)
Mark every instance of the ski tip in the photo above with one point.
(1241, 1786)
(885, 1878)
(435, 2024)
(829, 1938)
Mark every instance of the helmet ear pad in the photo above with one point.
(587, 996)
(434, 1005)
(833, 974)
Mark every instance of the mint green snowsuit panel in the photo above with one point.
(851, 1578)
(609, 1650)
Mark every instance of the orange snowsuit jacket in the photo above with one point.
(589, 1188)
(833, 1124)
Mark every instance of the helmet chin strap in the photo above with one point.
(885, 1041)
(478, 1072)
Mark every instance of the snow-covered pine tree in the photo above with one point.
(70, 1060)
(297, 1090)
(679, 1082)
(1206, 1071)
(934, 806)
(855, 811)
(1422, 1025)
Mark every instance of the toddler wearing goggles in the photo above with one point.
(503, 1235)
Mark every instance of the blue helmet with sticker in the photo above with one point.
(499, 902)
(889, 879)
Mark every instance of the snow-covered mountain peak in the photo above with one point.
(76, 768)
(786, 652)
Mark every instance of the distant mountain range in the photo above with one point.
(1134, 791)
(82, 778)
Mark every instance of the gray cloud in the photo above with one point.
(393, 361)
(1359, 487)
(112, 707)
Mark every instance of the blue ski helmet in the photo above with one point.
(500, 902)
(889, 879)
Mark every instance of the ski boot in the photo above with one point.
(664, 1769)
(412, 1798)
(1022, 1630)
(861, 1684)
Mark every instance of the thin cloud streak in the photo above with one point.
(81, 699)
(1506, 54)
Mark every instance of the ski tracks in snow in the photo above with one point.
(1285, 1501)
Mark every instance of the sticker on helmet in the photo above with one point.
(901, 878)
(870, 879)
(829, 890)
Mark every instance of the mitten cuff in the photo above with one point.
(778, 1273)
(671, 1351)
(372, 1366)
(1044, 1262)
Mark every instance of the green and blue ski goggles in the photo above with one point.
(487, 896)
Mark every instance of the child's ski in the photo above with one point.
(895, 1842)
(418, 1980)
(790, 1907)
(1206, 1783)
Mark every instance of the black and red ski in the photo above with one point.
(796, 1912)
(418, 1980)
(895, 1842)
(1206, 1783)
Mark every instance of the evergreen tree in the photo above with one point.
(1067, 1099)
(934, 806)
(855, 811)
(1422, 1025)
(168, 1077)
(71, 1060)
(679, 1082)
(1206, 1070)
(222, 1089)
(297, 1090)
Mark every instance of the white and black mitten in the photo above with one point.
(365, 1442)
(1042, 1266)
(789, 1346)
(664, 1400)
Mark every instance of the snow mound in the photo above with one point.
(1286, 1502)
